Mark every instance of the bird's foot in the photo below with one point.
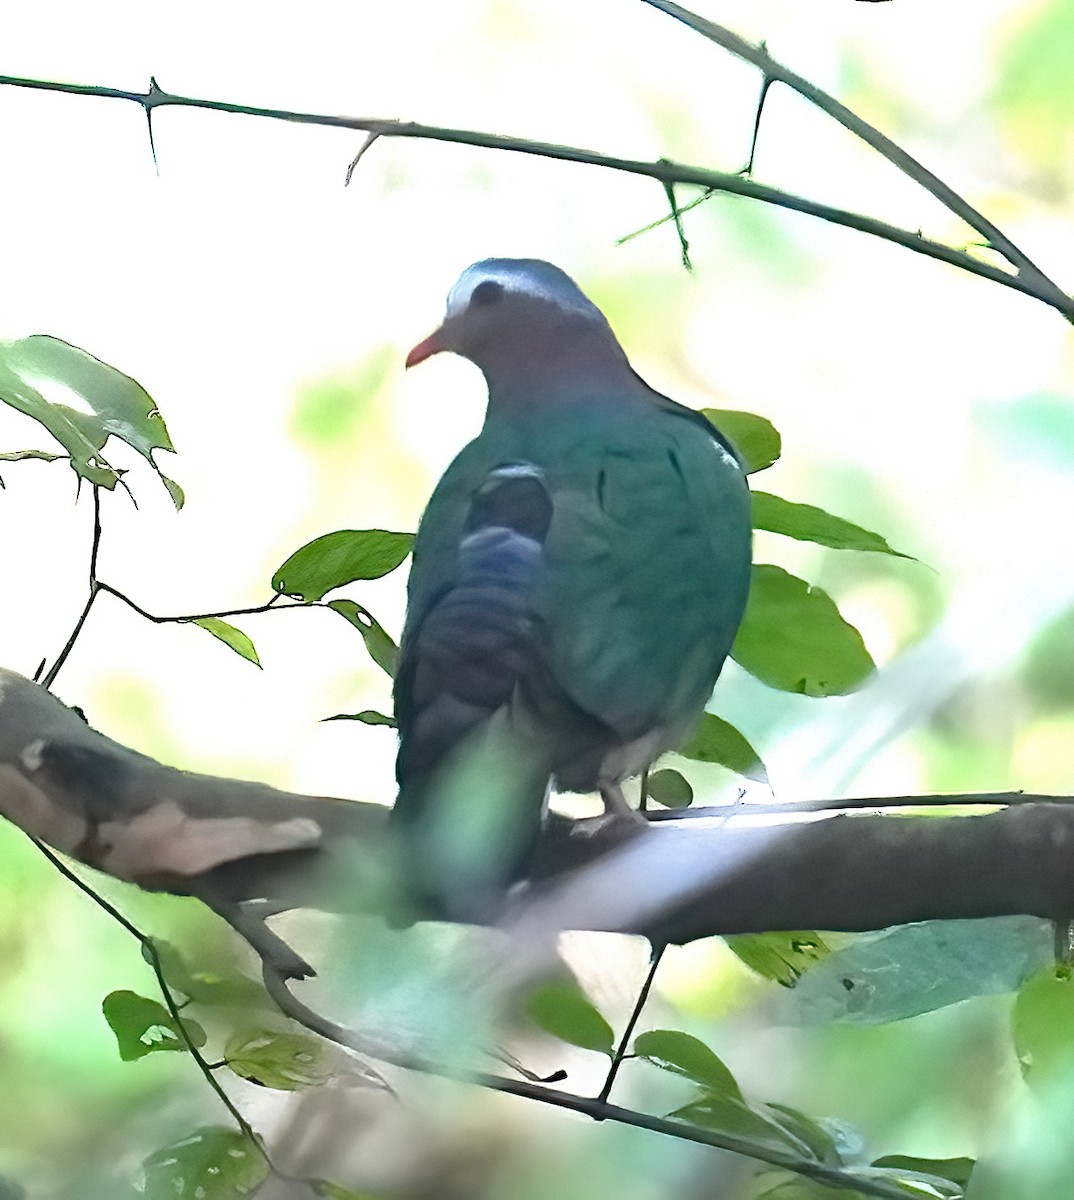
(616, 806)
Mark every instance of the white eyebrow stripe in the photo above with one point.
(531, 277)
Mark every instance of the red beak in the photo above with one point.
(423, 350)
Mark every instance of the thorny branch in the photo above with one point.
(775, 72)
(1026, 276)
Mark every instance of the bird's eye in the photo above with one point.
(488, 291)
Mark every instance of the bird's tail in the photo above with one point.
(473, 779)
(475, 820)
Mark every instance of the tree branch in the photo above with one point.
(775, 72)
(1026, 278)
(249, 850)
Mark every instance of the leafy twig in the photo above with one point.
(153, 957)
(591, 1106)
(269, 606)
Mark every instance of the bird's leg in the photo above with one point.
(615, 803)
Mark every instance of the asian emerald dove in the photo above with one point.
(579, 576)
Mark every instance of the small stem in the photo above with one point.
(766, 83)
(620, 1055)
(94, 588)
(590, 1106)
(170, 1003)
(853, 803)
(269, 606)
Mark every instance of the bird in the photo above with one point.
(578, 578)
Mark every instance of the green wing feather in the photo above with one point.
(649, 554)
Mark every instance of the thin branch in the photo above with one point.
(671, 216)
(628, 1032)
(153, 957)
(268, 606)
(370, 139)
(61, 658)
(590, 1106)
(874, 803)
(680, 230)
(766, 85)
(774, 71)
(1028, 280)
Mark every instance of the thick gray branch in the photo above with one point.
(249, 850)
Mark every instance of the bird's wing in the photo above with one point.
(471, 633)
(648, 565)
(473, 767)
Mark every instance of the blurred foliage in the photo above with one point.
(1047, 673)
(1034, 92)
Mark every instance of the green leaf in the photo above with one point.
(230, 636)
(715, 741)
(562, 1010)
(731, 1114)
(808, 523)
(1043, 1026)
(285, 1061)
(69, 428)
(683, 1054)
(814, 1134)
(794, 638)
(143, 1026)
(891, 974)
(382, 650)
(214, 1163)
(368, 716)
(22, 455)
(755, 438)
(957, 1170)
(669, 788)
(781, 957)
(174, 490)
(339, 558)
(913, 1183)
(222, 989)
(795, 1187)
(37, 371)
(334, 1191)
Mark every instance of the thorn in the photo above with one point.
(684, 245)
(152, 99)
(765, 85)
(40, 670)
(370, 139)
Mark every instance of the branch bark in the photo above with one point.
(249, 850)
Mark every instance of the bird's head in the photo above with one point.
(520, 314)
